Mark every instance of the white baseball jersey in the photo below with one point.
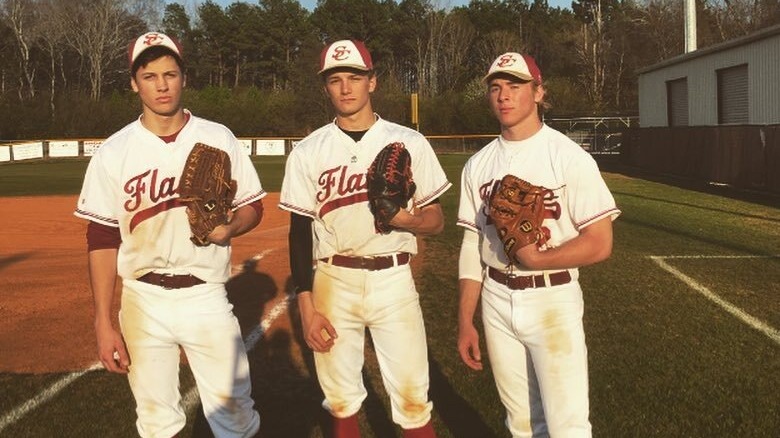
(132, 183)
(325, 179)
(549, 159)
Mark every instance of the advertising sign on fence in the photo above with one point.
(270, 147)
(5, 153)
(28, 151)
(91, 147)
(246, 144)
(67, 148)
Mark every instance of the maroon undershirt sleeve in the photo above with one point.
(101, 236)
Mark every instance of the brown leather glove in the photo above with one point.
(517, 211)
(390, 184)
(207, 189)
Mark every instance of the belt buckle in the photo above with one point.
(163, 278)
(508, 277)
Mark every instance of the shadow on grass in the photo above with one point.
(455, 412)
(286, 391)
(743, 249)
(694, 206)
(765, 198)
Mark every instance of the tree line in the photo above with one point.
(252, 66)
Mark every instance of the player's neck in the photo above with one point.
(162, 125)
(360, 121)
(521, 131)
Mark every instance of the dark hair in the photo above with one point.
(153, 54)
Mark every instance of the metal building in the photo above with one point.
(733, 83)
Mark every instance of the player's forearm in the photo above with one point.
(300, 242)
(428, 220)
(469, 299)
(305, 305)
(102, 277)
(244, 220)
(593, 245)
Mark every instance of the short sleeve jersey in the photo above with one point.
(579, 197)
(325, 179)
(132, 183)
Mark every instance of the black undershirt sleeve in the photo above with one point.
(301, 245)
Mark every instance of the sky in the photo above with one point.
(311, 4)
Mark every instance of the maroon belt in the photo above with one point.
(170, 281)
(529, 281)
(369, 263)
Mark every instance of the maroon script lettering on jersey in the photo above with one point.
(337, 177)
(136, 188)
(349, 188)
(162, 190)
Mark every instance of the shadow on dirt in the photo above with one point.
(15, 258)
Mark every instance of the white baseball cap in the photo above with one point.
(346, 53)
(520, 66)
(149, 40)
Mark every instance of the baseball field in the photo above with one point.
(682, 322)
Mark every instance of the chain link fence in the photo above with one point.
(597, 135)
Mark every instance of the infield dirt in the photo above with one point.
(46, 304)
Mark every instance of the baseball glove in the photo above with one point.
(207, 190)
(517, 211)
(390, 184)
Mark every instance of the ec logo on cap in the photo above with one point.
(153, 39)
(506, 61)
(340, 53)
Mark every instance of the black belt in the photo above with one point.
(170, 281)
(529, 281)
(369, 263)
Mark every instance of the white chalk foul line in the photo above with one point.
(753, 322)
(189, 399)
(47, 394)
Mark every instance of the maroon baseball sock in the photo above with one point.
(346, 427)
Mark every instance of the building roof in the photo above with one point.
(766, 32)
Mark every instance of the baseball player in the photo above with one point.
(363, 278)
(173, 292)
(532, 308)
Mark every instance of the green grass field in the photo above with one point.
(682, 324)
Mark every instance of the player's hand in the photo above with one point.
(221, 235)
(529, 257)
(468, 347)
(318, 332)
(112, 351)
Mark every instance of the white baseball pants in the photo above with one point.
(155, 322)
(387, 303)
(536, 344)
